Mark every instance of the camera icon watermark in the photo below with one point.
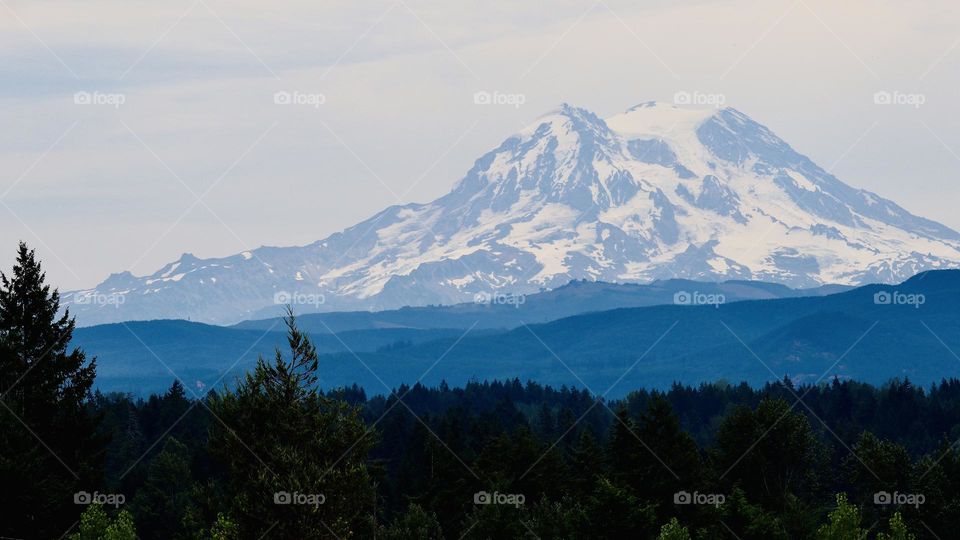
(510, 499)
(99, 299)
(287, 298)
(115, 100)
(706, 499)
(696, 298)
(896, 298)
(295, 497)
(501, 299)
(310, 99)
(684, 97)
(884, 498)
(104, 499)
(483, 97)
(884, 97)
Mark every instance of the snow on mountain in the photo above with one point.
(655, 192)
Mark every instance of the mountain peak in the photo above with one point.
(657, 192)
(568, 116)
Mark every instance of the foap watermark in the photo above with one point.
(696, 298)
(896, 97)
(109, 99)
(310, 99)
(510, 499)
(483, 97)
(99, 299)
(696, 97)
(298, 298)
(105, 499)
(885, 498)
(896, 298)
(500, 299)
(706, 499)
(295, 497)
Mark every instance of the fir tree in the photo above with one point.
(295, 460)
(49, 441)
(161, 503)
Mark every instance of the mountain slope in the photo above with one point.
(850, 334)
(657, 192)
(136, 355)
(572, 299)
(847, 335)
(143, 356)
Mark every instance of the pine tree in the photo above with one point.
(586, 464)
(771, 452)
(623, 450)
(294, 459)
(30, 324)
(46, 431)
(672, 460)
(844, 522)
(160, 504)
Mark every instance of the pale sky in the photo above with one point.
(184, 106)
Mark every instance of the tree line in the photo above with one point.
(274, 455)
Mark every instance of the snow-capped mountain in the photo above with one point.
(655, 192)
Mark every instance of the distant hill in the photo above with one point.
(141, 357)
(797, 337)
(870, 333)
(199, 353)
(575, 298)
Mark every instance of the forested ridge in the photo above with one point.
(273, 455)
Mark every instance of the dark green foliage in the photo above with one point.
(565, 518)
(673, 531)
(596, 481)
(294, 460)
(415, 523)
(843, 523)
(161, 502)
(771, 451)
(95, 524)
(750, 521)
(48, 437)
